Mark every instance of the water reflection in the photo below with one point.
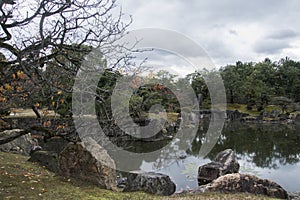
(265, 145)
(267, 150)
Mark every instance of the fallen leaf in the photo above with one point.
(44, 190)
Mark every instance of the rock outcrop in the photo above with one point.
(88, 161)
(48, 159)
(222, 175)
(16, 141)
(10, 135)
(150, 182)
(232, 183)
(224, 163)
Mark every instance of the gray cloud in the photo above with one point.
(270, 46)
(275, 42)
(233, 32)
(229, 30)
(283, 34)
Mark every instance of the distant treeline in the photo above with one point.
(255, 84)
(262, 83)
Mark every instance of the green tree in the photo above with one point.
(234, 77)
(199, 86)
(288, 73)
(106, 84)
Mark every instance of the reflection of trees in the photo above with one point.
(153, 153)
(265, 145)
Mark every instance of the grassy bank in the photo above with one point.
(20, 179)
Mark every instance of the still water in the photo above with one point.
(269, 151)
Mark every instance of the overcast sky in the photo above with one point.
(229, 30)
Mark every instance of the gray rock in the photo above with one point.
(150, 182)
(294, 195)
(283, 117)
(49, 159)
(209, 172)
(274, 113)
(56, 144)
(18, 143)
(35, 148)
(228, 159)
(265, 114)
(297, 119)
(121, 182)
(235, 115)
(88, 161)
(242, 183)
(10, 135)
(224, 163)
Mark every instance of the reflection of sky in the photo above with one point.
(184, 172)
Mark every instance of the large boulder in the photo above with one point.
(224, 163)
(48, 159)
(209, 172)
(232, 183)
(150, 182)
(88, 161)
(15, 141)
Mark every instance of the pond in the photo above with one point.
(270, 151)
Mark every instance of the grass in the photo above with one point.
(20, 179)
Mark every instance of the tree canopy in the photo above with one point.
(259, 83)
(43, 43)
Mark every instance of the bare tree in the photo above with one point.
(36, 32)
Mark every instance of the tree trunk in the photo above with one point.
(35, 110)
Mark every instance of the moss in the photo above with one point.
(270, 108)
(20, 179)
(243, 109)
